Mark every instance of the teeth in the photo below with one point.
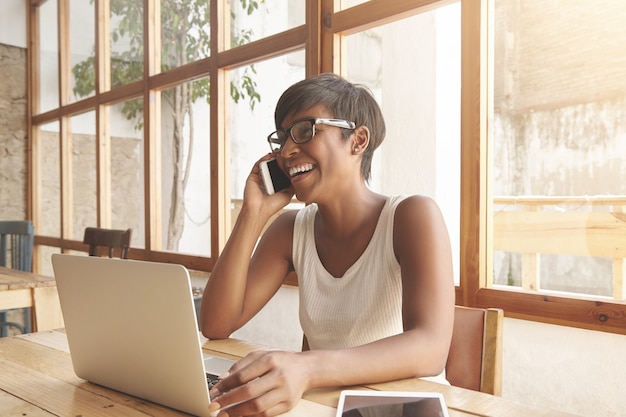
(293, 171)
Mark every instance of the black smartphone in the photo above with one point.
(274, 178)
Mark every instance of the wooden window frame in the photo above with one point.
(221, 60)
(476, 209)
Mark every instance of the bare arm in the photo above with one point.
(240, 282)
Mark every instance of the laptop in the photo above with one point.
(131, 326)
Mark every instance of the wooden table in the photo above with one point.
(37, 379)
(19, 289)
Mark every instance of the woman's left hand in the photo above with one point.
(264, 383)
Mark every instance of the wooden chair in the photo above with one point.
(16, 238)
(112, 239)
(475, 356)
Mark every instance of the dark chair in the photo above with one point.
(475, 356)
(16, 252)
(113, 240)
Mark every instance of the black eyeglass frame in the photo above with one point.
(276, 140)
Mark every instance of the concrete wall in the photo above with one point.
(13, 133)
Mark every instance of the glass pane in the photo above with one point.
(45, 257)
(421, 151)
(346, 4)
(185, 168)
(127, 169)
(48, 57)
(185, 32)
(252, 20)
(253, 119)
(559, 142)
(126, 42)
(83, 169)
(50, 181)
(82, 49)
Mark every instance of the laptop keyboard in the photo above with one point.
(211, 380)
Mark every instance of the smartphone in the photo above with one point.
(274, 178)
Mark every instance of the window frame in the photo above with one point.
(215, 66)
(476, 196)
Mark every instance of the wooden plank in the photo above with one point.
(475, 243)
(544, 200)
(467, 402)
(556, 308)
(46, 309)
(11, 279)
(65, 399)
(375, 13)
(531, 278)
(45, 377)
(491, 378)
(30, 354)
(55, 339)
(581, 234)
(232, 347)
(310, 408)
(14, 406)
(15, 299)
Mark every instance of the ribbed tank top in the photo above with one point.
(362, 306)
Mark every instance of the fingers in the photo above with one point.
(266, 157)
(241, 374)
(244, 399)
(269, 403)
(256, 386)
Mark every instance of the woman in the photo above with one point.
(374, 272)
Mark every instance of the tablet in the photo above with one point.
(368, 403)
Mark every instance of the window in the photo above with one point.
(136, 139)
(505, 123)
(421, 150)
(550, 229)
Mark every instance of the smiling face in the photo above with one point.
(321, 167)
(341, 99)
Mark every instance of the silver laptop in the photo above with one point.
(131, 326)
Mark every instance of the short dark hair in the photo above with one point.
(345, 100)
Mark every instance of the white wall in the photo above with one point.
(13, 22)
(277, 325)
(574, 370)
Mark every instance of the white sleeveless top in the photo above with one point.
(365, 304)
(362, 306)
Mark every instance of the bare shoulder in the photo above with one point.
(418, 221)
(272, 255)
(417, 208)
(281, 228)
(283, 223)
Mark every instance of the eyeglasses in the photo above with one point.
(303, 131)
